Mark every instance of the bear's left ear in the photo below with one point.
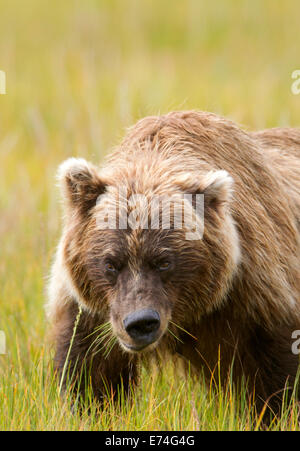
(80, 184)
(215, 185)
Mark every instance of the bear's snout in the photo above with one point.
(142, 326)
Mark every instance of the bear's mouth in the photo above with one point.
(137, 348)
(134, 348)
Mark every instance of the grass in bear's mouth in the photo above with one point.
(182, 329)
(105, 340)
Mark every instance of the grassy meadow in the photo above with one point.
(77, 74)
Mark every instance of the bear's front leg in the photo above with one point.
(90, 356)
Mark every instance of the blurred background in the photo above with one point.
(79, 72)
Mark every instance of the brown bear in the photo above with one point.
(221, 287)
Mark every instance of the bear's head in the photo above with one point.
(141, 254)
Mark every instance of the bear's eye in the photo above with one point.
(164, 266)
(109, 267)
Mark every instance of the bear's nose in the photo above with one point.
(142, 326)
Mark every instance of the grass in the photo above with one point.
(77, 74)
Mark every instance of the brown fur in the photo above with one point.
(236, 291)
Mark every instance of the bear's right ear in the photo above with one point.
(80, 184)
(216, 186)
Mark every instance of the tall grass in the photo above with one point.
(30, 400)
(77, 74)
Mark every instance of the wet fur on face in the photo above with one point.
(234, 291)
(118, 271)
